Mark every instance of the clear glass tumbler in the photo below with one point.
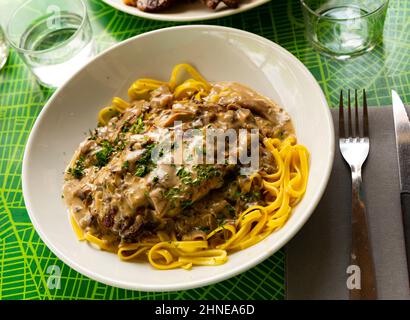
(4, 49)
(344, 28)
(53, 37)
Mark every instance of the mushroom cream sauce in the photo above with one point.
(180, 215)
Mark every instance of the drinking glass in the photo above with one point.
(4, 49)
(344, 28)
(53, 38)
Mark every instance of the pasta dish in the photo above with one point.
(136, 188)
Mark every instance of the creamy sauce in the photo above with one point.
(114, 189)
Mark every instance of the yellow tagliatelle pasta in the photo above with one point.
(142, 88)
(282, 190)
(77, 230)
(118, 106)
(286, 187)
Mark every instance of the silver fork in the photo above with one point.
(355, 149)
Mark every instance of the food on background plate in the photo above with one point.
(128, 190)
(160, 5)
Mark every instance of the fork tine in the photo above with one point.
(356, 115)
(349, 115)
(341, 117)
(365, 116)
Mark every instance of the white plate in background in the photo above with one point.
(193, 11)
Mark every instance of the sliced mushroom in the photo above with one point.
(196, 235)
(180, 116)
(130, 232)
(212, 4)
(159, 202)
(258, 107)
(154, 5)
(87, 145)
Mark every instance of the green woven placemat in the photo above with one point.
(24, 259)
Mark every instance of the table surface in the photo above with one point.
(24, 258)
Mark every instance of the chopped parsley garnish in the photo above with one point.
(126, 127)
(121, 146)
(204, 229)
(103, 156)
(220, 222)
(186, 203)
(125, 165)
(281, 134)
(155, 179)
(138, 126)
(184, 175)
(144, 164)
(251, 196)
(141, 170)
(78, 170)
(205, 172)
(93, 135)
(135, 128)
(230, 209)
(172, 193)
(119, 143)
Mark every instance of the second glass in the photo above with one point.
(53, 37)
(344, 28)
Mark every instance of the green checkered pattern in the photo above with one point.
(24, 258)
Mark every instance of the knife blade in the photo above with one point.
(402, 131)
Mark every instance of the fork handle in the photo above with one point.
(361, 251)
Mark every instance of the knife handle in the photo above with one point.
(405, 209)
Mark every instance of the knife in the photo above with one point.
(402, 130)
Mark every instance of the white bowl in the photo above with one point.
(219, 54)
(193, 11)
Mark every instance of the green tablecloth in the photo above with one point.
(24, 258)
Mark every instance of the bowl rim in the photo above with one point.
(216, 277)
